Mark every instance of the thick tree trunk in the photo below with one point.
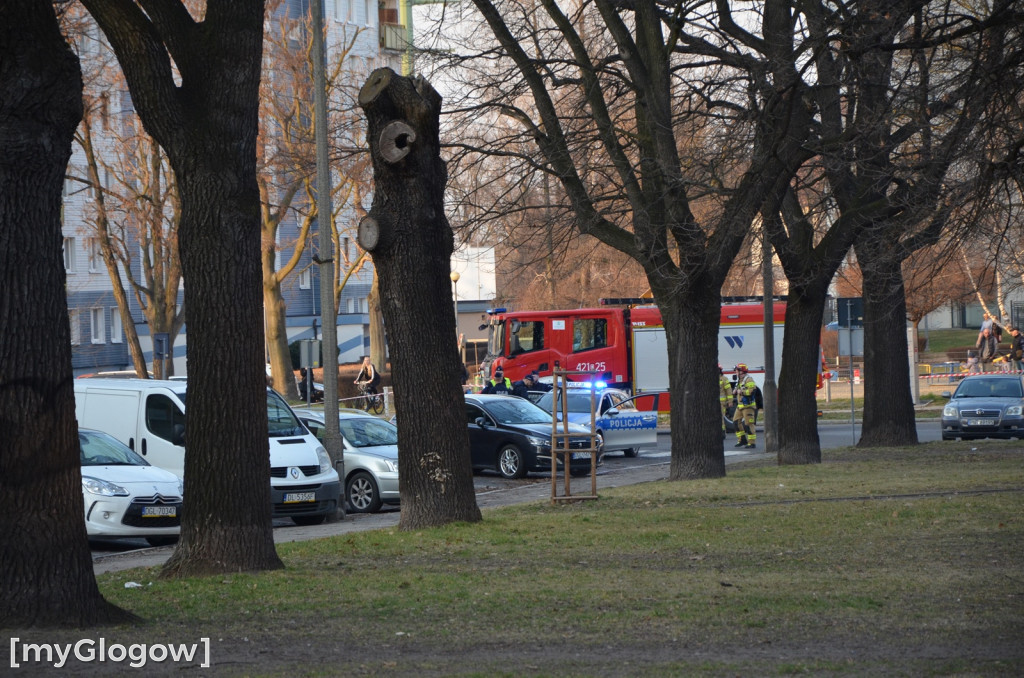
(227, 526)
(889, 418)
(46, 575)
(691, 333)
(798, 405)
(411, 242)
(206, 120)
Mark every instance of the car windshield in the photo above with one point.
(368, 431)
(99, 449)
(280, 420)
(989, 388)
(515, 411)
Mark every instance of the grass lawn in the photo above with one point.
(884, 562)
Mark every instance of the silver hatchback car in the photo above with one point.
(371, 457)
(985, 406)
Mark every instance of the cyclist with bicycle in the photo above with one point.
(367, 380)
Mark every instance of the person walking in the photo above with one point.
(724, 396)
(500, 384)
(988, 347)
(1016, 349)
(746, 407)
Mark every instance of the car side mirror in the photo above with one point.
(947, 394)
(179, 435)
(480, 421)
(612, 411)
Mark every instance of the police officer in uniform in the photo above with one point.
(500, 384)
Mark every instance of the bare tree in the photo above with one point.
(918, 161)
(288, 167)
(667, 127)
(195, 83)
(46, 575)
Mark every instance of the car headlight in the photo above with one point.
(949, 411)
(181, 487)
(542, 443)
(102, 487)
(391, 466)
(1013, 410)
(325, 459)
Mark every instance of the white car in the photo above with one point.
(371, 456)
(124, 495)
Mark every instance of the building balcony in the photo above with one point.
(392, 36)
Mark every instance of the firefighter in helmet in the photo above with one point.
(724, 395)
(746, 407)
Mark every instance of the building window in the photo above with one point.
(95, 256)
(116, 328)
(351, 305)
(99, 326)
(344, 250)
(305, 279)
(69, 255)
(76, 328)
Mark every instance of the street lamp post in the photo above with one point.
(455, 285)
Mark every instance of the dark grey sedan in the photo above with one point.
(985, 406)
(513, 436)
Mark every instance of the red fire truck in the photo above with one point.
(623, 343)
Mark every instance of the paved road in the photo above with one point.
(491, 490)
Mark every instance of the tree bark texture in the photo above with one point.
(411, 242)
(691, 334)
(46, 575)
(798, 405)
(208, 126)
(889, 418)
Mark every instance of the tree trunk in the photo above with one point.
(889, 418)
(411, 242)
(798, 405)
(691, 334)
(208, 124)
(46, 574)
(378, 348)
(276, 310)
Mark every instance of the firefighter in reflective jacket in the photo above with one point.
(746, 406)
(724, 395)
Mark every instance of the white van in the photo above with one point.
(149, 417)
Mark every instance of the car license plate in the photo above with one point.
(581, 455)
(297, 497)
(159, 511)
(981, 422)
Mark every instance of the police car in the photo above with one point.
(619, 423)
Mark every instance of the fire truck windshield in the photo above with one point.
(496, 339)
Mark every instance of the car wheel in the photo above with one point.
(162, 541)
(309, 520)
(631, 452)
(362, 494)
(510, 462)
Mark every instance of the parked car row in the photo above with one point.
(132, 452)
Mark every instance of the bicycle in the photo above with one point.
(373, 402)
